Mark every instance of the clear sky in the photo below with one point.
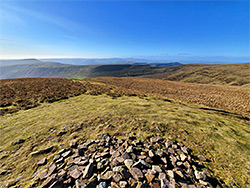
(204, 29)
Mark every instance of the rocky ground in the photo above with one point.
(128, 162)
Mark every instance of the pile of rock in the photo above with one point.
(120, 163)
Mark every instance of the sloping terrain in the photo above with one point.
(58, 70)
(25, 93)
(229, 98)
(229, 74)
(224, 142)
(18, 62)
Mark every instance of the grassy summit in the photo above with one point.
(223, 141)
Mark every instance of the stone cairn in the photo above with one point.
(121, 163)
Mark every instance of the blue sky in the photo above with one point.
(145, 29)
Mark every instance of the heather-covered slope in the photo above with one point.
(228, 74)
(228, 98)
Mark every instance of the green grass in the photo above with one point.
(224, 141)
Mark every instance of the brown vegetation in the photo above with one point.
(229, 74)
(25, 93)
(231, 98)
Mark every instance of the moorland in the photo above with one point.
(211, 119)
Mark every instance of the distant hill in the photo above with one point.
(165, 64)
(35, 68)
(97, 61)
(227, 74)
(18, 62)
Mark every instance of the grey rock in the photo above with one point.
(117, 168)
(52, 169)
(128, 163)
(61, 151)
(171, 150)
(151, 154)
(125, 156)
(183, 157)
(141, 164)
(43, 161)
(43, 174)
(157, 168)
(116, 154)
(166, 184)
(156, 139)
(99, 165)
(186, 164)
(202, 158)
(162, 176)
(56, 157)
(114, 162)
(66, 154)
(60, 160)
(130, 149)
(200, 175)
(117, 177)
(179, 163)
(61, 173)
(136, 173)
(184, 149)
(80, 184)
(88, 172)
(170, 174)
(75, 174)
(107, 176)
(18, 179)
(42, 151)
(159, 152)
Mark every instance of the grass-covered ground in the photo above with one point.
(223, 141)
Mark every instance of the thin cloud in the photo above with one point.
(70, 37)
(61, 22)
(10, 17)
(9, 41)
(183, 54)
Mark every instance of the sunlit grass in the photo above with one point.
(223, 141)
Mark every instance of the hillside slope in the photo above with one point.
(228, 74)
(224, 142)
(230, 98)
(58, 70)
(18, 62)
